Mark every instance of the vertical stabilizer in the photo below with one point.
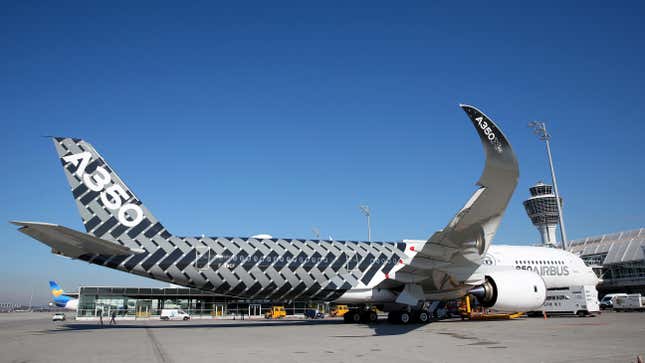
(108, 208)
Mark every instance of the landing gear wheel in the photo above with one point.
(404, 317)
(369, 317)
(423, 317)
(352, 316)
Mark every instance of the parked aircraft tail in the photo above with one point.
(61, 298)
(58, 295)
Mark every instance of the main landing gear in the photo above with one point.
(407, 317)
(367, 316)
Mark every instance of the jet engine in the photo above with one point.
(511, 290)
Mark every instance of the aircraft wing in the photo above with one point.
(71, 243)
(450, 256)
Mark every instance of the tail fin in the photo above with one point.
(56, 291)
(109, 208)
(58, 295)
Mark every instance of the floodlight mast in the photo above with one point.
(539, 128)
(366, 211)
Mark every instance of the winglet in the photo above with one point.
(472, 229)
(501, 163)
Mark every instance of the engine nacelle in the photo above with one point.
(511, 290)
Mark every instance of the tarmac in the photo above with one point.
(610, 337)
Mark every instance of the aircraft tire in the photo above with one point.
(423, 317)
(369, 316)
(404, 317)
(399, 317)
(352, 316)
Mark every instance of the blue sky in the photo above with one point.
(279, 117)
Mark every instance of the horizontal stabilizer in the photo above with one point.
(71, 243)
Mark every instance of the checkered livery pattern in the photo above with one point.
(277, 269)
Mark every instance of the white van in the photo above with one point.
(629, 302)
(607, 301)
(174, 314)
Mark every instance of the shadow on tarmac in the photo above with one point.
(380, 328)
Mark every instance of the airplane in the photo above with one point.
(398, 277)
(69, 301)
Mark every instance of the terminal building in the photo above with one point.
(139, 302)
(617, 258)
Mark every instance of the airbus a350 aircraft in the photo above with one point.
(398, 276)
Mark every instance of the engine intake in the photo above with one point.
(512, 290)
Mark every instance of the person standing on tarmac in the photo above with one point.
(113, 317)
(100, 312)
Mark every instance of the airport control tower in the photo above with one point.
(543, 211)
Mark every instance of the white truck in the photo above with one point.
(174, 314)
(579, 300)
(629, 302)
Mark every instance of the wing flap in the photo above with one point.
(71, 243)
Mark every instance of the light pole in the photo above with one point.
(539, 128)
(366, 211)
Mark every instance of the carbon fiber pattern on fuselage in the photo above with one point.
(277, 269)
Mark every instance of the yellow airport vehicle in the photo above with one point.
(276, 312)
(466, 312)
(339, 310)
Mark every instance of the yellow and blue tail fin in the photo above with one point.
(59, 297)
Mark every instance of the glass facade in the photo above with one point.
(617, 258)
(148, 303)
